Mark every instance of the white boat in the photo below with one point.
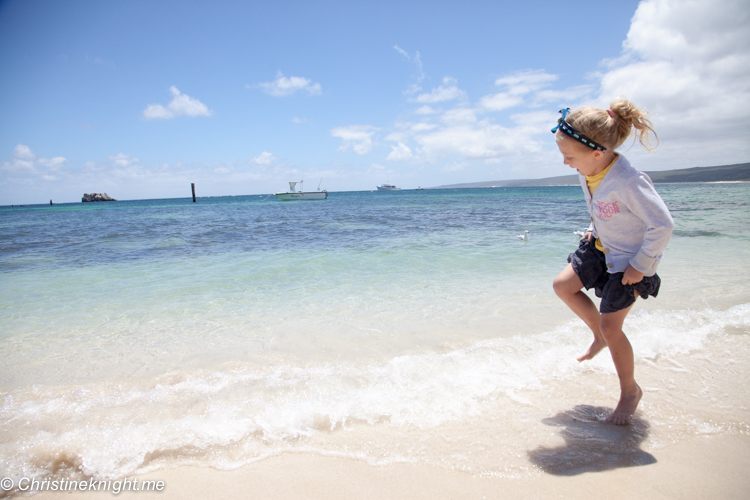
(293, 194)
(388, 187)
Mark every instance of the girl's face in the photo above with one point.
(579, 157)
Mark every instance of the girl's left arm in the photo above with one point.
(643, 200)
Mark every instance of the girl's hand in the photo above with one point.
(631, 276)
(589, 235)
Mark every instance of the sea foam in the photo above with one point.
(227, 417)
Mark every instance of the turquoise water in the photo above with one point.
(146, 334)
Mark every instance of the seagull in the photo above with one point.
(524, 236)
(579, 233)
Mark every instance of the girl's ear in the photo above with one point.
(598, 154)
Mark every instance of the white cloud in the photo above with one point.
(284, 86)
(417, 60)
(23, 152)
(500, 101)
(53, 163)
(157, 112)
(459, 115)
(571, 94)
(472, 142)
(689, 64)
(402, 52)
(123, 176)
(401, 152)
(405, 130)
(459, 133)
(687, 30)
(425, 110)
(120, 167)
(523, 82)
(447, 92)
(421, 127)
(180, 105)
(456, 166)
(358, 137)
(535, 120)
(516, 87)
(122, 160)
(264, 159)
(26, 163)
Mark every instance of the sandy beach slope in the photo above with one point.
(697, 468)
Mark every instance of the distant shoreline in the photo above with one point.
(726, 174)
(721, 174)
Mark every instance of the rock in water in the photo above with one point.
(97, 197)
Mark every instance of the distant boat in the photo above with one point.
(388, 187)
(420, 188)
(293, 194)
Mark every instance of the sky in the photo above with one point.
(139, 99)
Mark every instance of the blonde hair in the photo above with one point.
(611, 129)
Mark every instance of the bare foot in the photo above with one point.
(625, 408)
(596, 346)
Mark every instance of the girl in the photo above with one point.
(630, 227)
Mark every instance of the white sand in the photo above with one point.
(696, 468)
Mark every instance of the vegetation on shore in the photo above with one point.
(725, 173)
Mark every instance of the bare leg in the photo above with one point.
(568, 287)
(622, 355)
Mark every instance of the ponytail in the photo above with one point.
(612, 127)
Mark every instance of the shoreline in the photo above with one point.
(698, 467)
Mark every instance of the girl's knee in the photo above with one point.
(610, 324)
(610, 330)
(566, 283)
(558, 286)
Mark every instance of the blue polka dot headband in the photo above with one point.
(565, 127)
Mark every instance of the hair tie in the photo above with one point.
(611, 113)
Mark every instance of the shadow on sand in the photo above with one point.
(592, 445)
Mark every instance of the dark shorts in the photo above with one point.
(590, 265)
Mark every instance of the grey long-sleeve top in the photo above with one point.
(630, 218)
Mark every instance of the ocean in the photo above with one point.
(395, 327)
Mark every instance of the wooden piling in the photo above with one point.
(192, 186)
